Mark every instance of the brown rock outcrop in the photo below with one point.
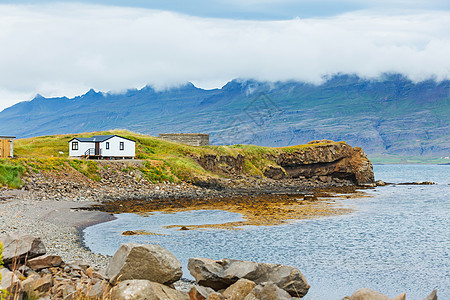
(327, 158)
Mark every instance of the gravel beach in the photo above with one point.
(57, 223)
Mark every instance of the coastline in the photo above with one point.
(58, 223)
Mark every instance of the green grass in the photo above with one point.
(162, 160)
(157, 173)
(11, 173)
(88, 168)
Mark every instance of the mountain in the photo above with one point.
(389, 115)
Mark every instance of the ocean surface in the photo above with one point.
(397, 240)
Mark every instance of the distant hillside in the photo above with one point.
(391, 115)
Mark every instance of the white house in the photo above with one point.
(102, 146)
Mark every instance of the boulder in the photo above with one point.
(198, 292)
(221, 274)
(144, 289)
(239, 290)
(267, 291)
(368, 294)
(11, 283)
(149, 262)
(45, 261)
(432, 296)
(36, 285)
(216, 296)
(380, 183)
(98, 290)
(17, 248)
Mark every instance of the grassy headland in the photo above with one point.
(162, 161)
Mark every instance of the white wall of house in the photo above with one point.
(115, 150)
(82, 147)
(129, 147)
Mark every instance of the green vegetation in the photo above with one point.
(157, 173)
(11, 173)
(162, 161)
(88, 168)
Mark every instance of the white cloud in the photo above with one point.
(66, 49)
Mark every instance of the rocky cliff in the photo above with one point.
(324, 160)
(337, 160)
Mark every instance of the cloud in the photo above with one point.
(67, 49)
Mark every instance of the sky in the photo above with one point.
(65, 48)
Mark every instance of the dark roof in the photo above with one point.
(7, 137)
(98, 138)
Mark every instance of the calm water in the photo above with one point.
(396, 241)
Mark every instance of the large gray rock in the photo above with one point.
(144, 289)
(221, 274)
(17, 248)
(150, 262)
(267, 291)
(368, 294)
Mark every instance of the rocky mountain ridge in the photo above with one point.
(388, 115)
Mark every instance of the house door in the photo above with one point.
(97, 148)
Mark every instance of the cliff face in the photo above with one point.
(327, 160)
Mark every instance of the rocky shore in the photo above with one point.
(143, 271)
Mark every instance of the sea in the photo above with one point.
(397, 239)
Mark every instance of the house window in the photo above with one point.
(74, 145)
(121, 146)
(107, 145)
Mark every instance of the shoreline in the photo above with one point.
(60, 223)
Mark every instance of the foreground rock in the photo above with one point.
(45, 261)
(149, 262)
(198, 292)
(221, 274)
(432, 296)
(144, 289)
(267, 291)
(10, 283)
(17, 248)
(368, 294)
(239, 290)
